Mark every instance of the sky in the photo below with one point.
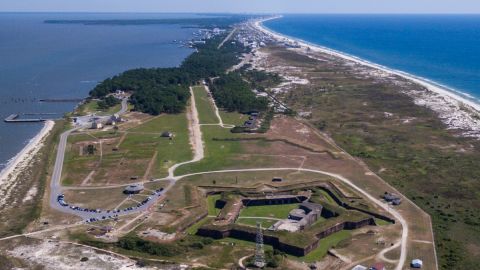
(245, 6)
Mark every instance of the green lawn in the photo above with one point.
(76, 167)
(326, 196)
(324, 245)
(205, 108)
(253, 222)
(194, 228)
(273, 211)
(135, 152)
(233, 118)
(212, 211)
(381, 222)
(145, 139)
(218, 154)
(92, 107)
(242, 243)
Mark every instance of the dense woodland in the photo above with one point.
(234, 94)
(108, 102)
(158, 90)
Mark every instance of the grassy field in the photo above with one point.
(142, 152)
(212, 210)
(218, 154)
(77, 165)
(192, 230)
(168, 151)
(96, 198)
(324, 245)
(274, 211)
(253, 222)
(411, 149)
(92, 107)
(204, 105)
(326, 196)
(233, 118)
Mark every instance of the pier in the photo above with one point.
(14, 118)
(61, 100)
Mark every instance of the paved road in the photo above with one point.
(124, 106)
(402, 243)
(227, 38)
(56, 187)
(198, 155)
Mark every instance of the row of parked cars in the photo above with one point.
(61, 200)
(112, 214)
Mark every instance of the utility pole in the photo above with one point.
(259, 252)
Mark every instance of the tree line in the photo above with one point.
(165, 90)
(232, 93)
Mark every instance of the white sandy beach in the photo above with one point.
(21, 161)
(455, 111)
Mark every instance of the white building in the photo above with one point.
(97, 125)
(416, 263)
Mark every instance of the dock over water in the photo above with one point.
(14, 118)
(61, 100)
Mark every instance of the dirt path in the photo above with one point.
(217, 112)
(150, 166)
(195, 136)
(88, 178)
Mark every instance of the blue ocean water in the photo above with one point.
(441, 48)
(39, 60)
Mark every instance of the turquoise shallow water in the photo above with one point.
(39, 60)
(441, 48)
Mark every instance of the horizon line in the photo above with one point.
(243, 13)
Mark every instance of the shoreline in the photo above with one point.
(457, 112)
(22, 159)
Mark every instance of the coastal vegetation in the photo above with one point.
(260, 79)
(234, 94)
(405, 144)
(94, 106)
(34, 178)
(165, 90)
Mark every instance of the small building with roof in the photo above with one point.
(416, 263)
(300, 218)
(133, 189)
(167, 134)
(392, 198)
(96, 125)
(377, 266)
